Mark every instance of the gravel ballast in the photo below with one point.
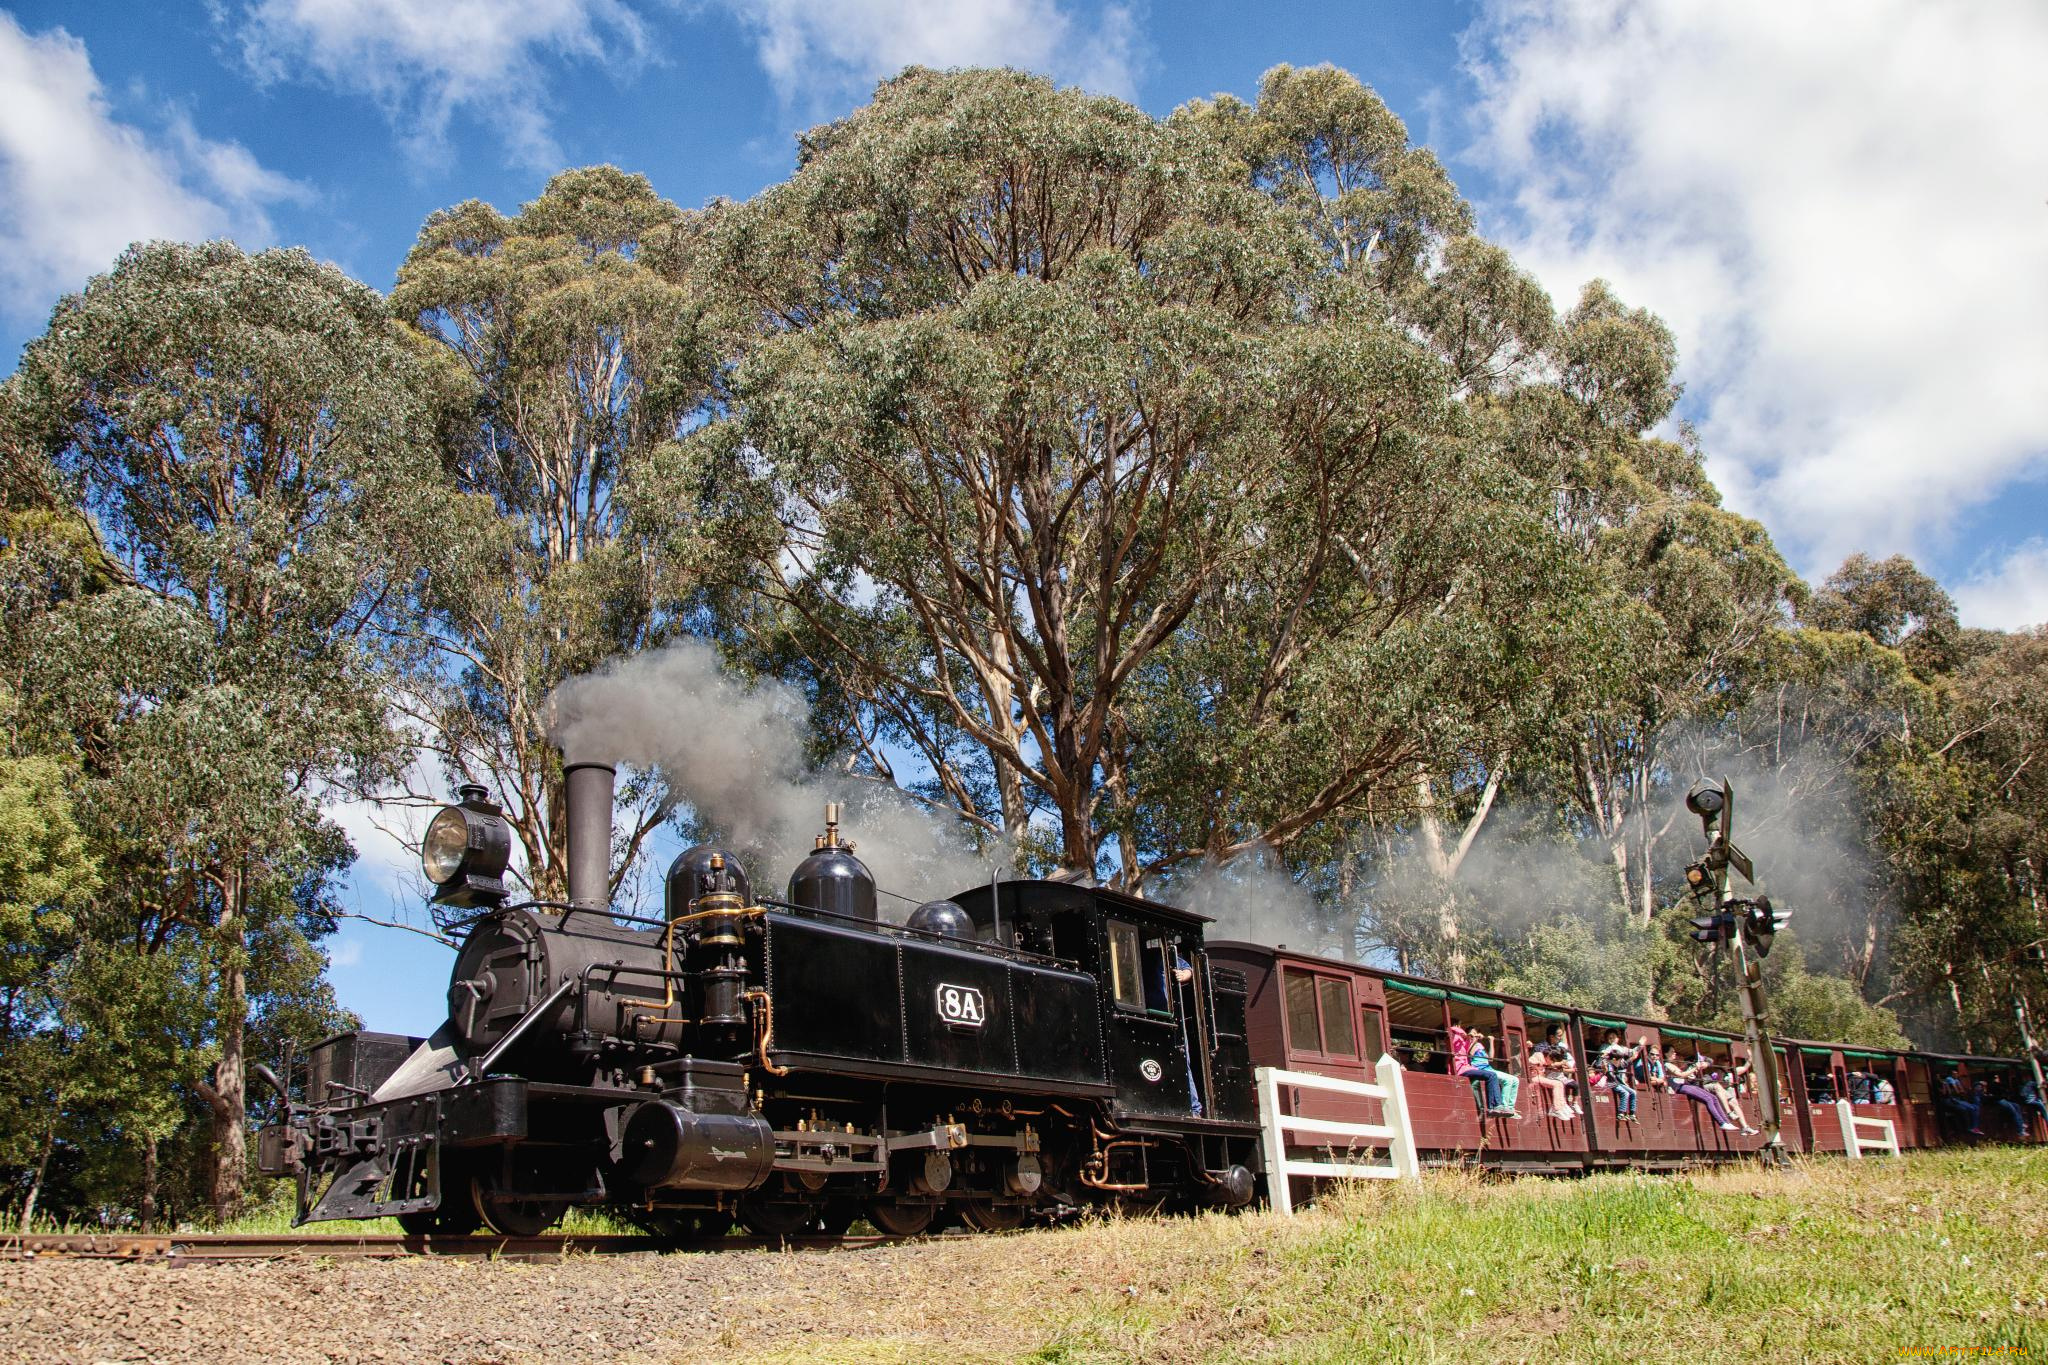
(883, 1303)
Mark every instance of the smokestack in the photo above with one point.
(590, 832)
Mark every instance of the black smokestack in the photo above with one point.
(590, 832)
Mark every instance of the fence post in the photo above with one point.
(1852, 1141)
(1277, 1191)
(1401, 1150)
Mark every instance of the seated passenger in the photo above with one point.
(1546, 1075)
(2030, 1099)
(1721, 1083)
(1653, 1066)
(1562, 1061)
(1882, 1093)
(1957, 1106)
(1617, 1060)
(1469, 1059)
(1995, 1094)
(1680, 1078)
(1861, 1088)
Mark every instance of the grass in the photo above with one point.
(1829, 1262)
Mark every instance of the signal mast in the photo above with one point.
(1749, 923)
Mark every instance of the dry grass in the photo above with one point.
(1827, 1261)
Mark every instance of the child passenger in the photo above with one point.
(1616, 1060)
(1549, 1065)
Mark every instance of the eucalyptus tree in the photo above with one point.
(246, 434)
(583, 353)
(1105, 489)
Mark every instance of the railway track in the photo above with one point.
(196, 1247)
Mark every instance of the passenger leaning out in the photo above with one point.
(1680, 1078)
(1722, 1083)
(1469, 1059)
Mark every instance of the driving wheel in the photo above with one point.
(900, 1220)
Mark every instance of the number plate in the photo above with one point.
(962, 1006)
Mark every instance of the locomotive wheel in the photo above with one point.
(983, 1215)
(900, 1220)
(455, 1218)
(508, 1215)
(710, 1225)
(764, 1219)
(837, 1216)
(677, 1229)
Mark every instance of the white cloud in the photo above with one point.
(843, 43)
(423, 62)
(78, 185)
(1840, 205)
(493, 60)
(2009, 594)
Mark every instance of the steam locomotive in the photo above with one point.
(791, 1063)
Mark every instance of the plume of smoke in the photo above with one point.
(1252, 897)
(733, 752)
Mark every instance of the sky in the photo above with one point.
(1840, 206)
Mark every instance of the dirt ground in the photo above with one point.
(886, 1303)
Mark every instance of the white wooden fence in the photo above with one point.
(1886, 1137)
(1396, 1134)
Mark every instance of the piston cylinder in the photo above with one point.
(672, 1148)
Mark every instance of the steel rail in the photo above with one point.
(177, 1248)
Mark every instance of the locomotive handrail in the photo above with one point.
(516, 1032)
(1397, 1132)
(1027, 956)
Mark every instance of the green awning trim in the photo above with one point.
(1538, 1012)
(1671, 1032)
(1590, 1022)
(1410, 988)
(1868, 1056)
(1818, 1051)
(1485, 1002)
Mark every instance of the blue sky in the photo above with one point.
(1841, 206)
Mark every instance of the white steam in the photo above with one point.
(733, 753)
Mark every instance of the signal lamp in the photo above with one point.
(465, 851)
(1762, 923)
(1705, 800)
(1712, 928)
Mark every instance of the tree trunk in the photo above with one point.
(149, 1183)
(35, 1185)
(228, 1098)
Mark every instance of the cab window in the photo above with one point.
(1158, 971)
(1126, 970)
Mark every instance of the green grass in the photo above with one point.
(1829, 1261)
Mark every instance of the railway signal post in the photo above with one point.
(1749, 924)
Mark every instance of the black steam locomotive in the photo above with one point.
(1023, 1048)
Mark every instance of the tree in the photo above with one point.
(246, 433)
(583, 355)
(1086, 449)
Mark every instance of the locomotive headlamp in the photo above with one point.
(447, 840)
(1704, 800)
(465, 851)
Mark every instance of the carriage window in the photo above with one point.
(1301, 1011)
(1338, 1040)
(1319, 1014)
(1126, 971)
(1375, 1040)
